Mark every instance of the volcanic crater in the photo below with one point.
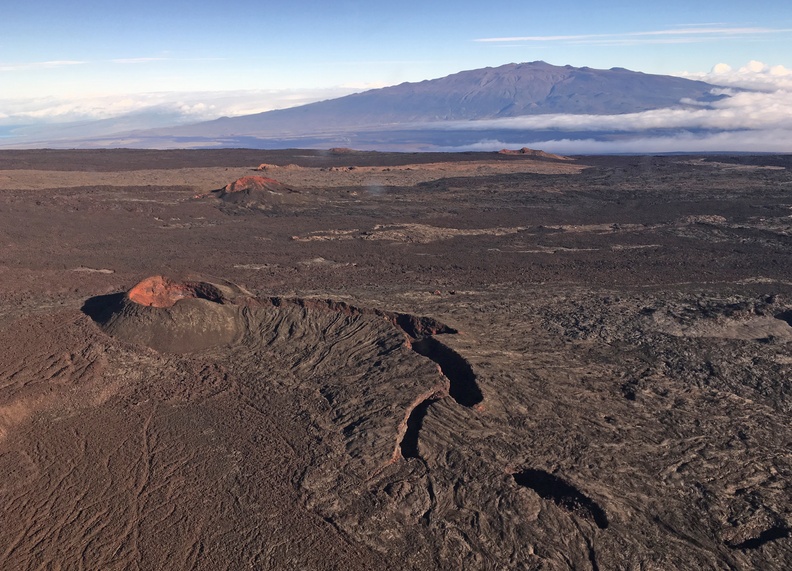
(189, 316)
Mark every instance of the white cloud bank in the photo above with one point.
(180, 108)
(753, 75)
(771, 141)
(744, 121)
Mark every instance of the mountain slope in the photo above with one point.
(507, 91)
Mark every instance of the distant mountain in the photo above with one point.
(510, 90)
(453, 112)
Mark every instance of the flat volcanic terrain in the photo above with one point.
(238, 359)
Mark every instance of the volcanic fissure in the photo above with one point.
(409, 443)
(768, 535)
(464, 389)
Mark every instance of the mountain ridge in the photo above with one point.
(479, 109)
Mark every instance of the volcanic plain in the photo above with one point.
(238, 359)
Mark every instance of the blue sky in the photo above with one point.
(97, 58)
(96, 46)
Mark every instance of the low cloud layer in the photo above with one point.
(770, 141)
(759, 120)
(186, 107)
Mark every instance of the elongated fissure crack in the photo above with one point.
(409, 442)
(461, 383)
(463, 386)
(772, 534)
(421, 334)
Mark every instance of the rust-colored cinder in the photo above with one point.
(159, 291)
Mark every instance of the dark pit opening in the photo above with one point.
(409, 443)
(207, 292)
(768, 535)
(464, 389)
(563, 494)
(102, 307)
(417, 327)
(785, 316)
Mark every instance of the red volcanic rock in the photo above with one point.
(253, 183)
(159, 291)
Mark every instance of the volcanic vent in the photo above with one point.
(322, 396)
(396, 357)
(159, 291)
(170, 315)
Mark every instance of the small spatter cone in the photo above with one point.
(253, 183)
(247, 186)
(525, 151)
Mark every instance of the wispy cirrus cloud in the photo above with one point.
(39, 65)
(133, 60)
(704, 30)
(53, 64)
(153, 59)
(682, 34)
